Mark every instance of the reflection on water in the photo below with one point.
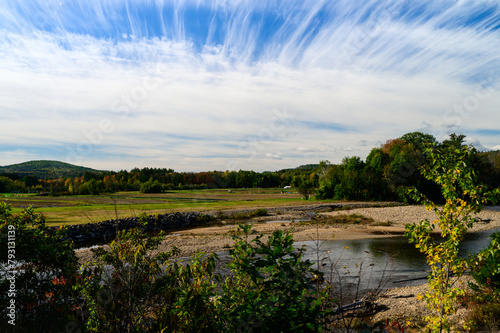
(391, 257)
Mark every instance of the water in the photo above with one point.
(389, 259)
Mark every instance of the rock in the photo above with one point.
(97, 233)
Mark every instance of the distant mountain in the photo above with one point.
(307, 167)
(300, 168)
(47, 169)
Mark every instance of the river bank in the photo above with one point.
(312, 224)
(387, 222)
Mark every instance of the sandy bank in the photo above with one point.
(219, 238)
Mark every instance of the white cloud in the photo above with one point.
(346, 74)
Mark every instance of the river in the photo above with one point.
(387, 260)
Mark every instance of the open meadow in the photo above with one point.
(79, 209)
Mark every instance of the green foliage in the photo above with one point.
(95, 187)
(132, 290)
(418, 140)
(448, 168)
(43, 296)
(272, 289)
(386, 169)
(118, 296)
(305, 189)
(9, 185)
(204, 219)
(143, 219)
(346, 181)
(485, 267)
(151, 187)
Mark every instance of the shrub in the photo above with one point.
(258, 212)
(151, 187)
(203, 219)
(131, 290)
(484, 316)
(305, 189)
(485, 266)
(241, 216)
(272, 289)
(44, 300)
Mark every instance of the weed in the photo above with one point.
(242, 216)
(484, 317)
(383, 224)
(259, 212)
(204, 219)
(340, 219)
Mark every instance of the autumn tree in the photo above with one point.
(448, 166)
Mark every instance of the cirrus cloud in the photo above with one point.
(195, 85)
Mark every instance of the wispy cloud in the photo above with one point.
(168, 83)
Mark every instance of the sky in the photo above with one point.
(235, 84)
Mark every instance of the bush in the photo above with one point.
(484, 316)
(204, 219)
(485, 267)
(44, 300)
(305, 189)
(131, 290)
(241, 216)
(272, 289)
(151, 187)
(258, 212)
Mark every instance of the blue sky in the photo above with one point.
(234, 84)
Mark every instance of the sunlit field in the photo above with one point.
(88, 209)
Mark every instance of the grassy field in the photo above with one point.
(85, 209)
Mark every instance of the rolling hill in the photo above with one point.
(44, 169)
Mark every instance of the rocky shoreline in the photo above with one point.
(188, 233)
(90, 234)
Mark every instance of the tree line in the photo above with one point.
(156, 180)
(381, 176)
(395, 165)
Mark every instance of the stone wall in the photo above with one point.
(105, 231)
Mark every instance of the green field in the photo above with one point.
(85, 209)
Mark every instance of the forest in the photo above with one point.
(381, 176)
